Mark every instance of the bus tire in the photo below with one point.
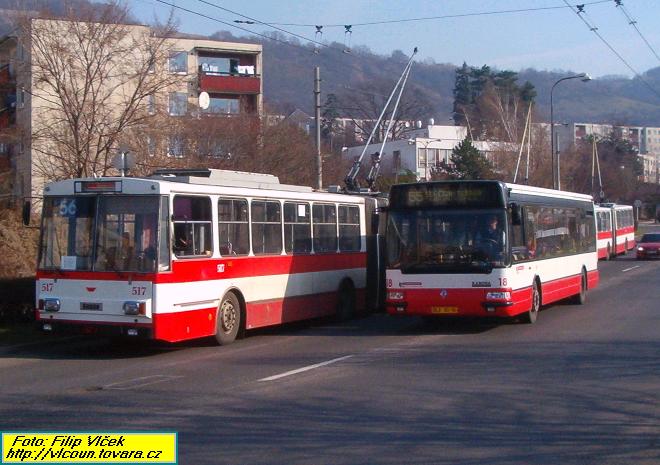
(581, 297)
(532, 314)
(346, 301)
(228, 319)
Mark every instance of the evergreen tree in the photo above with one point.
(468, 163)
(329, 117)
(462, 94)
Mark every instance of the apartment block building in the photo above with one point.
(227, 75)
(646, 140)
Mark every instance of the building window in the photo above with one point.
(178, 62)
(218, 65)
(151, 104)
(431, 156)
(20, 97)
(396, 161)
(151, 146)
(421, 158)
(229, 106)
(175, 147)
(178, 103)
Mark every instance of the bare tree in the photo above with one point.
(364, 102)
(92, 75)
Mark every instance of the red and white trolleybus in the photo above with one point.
(616, 229)
(187, 254)
(486, 248)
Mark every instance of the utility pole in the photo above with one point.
(317, 116)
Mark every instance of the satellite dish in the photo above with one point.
(204, 100)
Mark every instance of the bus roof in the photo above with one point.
(541, 191)
(205, 181)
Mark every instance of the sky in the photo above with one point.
(550, 39)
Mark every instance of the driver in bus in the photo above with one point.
(492, 238)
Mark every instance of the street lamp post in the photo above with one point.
(556, 183)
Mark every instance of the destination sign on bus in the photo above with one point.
(447, 194)
(97, 186)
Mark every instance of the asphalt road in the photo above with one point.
(581, 386)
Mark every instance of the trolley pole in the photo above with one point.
(317, 115)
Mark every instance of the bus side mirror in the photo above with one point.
(27, 207)
(516, 214)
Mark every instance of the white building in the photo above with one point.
(421, 150)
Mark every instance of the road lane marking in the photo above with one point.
(307, 368)
(140, 382)
(631, 268)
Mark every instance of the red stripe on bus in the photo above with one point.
(204, 269)
(605, 235)
(470, 302)
(460, 302)
(180, 326)
(625, 230)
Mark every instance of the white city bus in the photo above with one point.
(193, 253)
(443, 260)
(616, 229)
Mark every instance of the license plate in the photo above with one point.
(444, 310)
(95, 307)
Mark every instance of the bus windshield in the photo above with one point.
(100, 233)
(449, 241)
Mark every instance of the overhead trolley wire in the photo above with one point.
(187, 10)
(256, 21)
(633, 23)
(431, 18)
(227, 23)
(594, 29)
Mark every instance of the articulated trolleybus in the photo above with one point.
(486, 248)
(186, 254)
(616, 229)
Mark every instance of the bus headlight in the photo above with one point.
(498, 296)
(52, 305)
(395, 295)
(135, 308)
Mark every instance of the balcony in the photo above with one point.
(229, 83)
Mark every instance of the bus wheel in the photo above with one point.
(581, 298)
(346, 302)
(228, 320)
(533, 313)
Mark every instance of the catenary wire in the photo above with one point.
(594, 29)
(431, 18)
(633, 23)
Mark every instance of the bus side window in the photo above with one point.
(349, 228)
(519, 251)
(233, 227)
(297, 228)
(192, 226)
(324, 221)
